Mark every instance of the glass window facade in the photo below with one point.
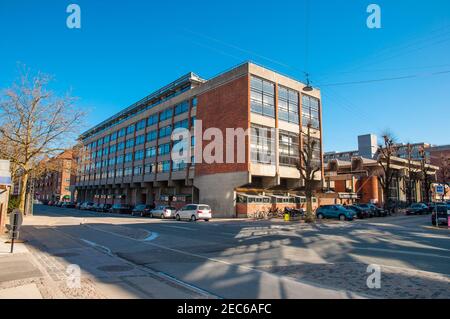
(153, 119)
(310, 111)
(262, 145)
(165, 131)
(150, 152)
(262, 97)
(140, 139)
(288, 149)
(182, 108)
(164, 149)
(288, 105)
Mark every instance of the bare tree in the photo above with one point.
(36, 123)
(425, 175)
(386, 151)
(411, 175)
(308, 166)
(444, 174)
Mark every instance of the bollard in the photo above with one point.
(287, 217)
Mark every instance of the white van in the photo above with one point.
(194, 212)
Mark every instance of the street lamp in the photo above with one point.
(308, 87)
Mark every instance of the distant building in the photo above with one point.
(55, 183)
(440, 156)
(368, 148)
(359, 171)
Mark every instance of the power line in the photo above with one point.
(385, 79)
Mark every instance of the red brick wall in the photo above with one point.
(368, 188)
(226, 106)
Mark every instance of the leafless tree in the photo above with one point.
(425, 175)
(444, 174)
(411, 175)
(35, 123)
(386, 151)
(308, 166)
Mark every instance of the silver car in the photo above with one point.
(163, 212)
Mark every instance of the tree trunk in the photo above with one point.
(309, 216)
(23, 191)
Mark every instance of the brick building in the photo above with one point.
(358, 172)
(55, 184)
(131, 159)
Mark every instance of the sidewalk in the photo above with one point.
(39, 269)
(20, 276)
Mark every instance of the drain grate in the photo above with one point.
(115, 268)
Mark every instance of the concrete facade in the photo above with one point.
(130, 158)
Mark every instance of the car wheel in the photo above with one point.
(320, 216)
(193, 218)
(178, 218)
(342, 218)
(206, 220)
(162, 216)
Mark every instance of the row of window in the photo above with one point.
(262, 101)
(262, 147)
(181, 108)
(160, 167)
(141, 139)
(150, 152)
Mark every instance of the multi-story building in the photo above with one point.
(131, 159)
(368, 148)
(359, 172)
(54, 184)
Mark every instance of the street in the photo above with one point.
(123, 256)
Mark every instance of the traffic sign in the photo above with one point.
(440, 189)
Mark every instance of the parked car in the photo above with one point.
(417, 209)
(163, 212)
(194, 212)
(374, 210)
(94, 207)
(68, 205)
(443, 212)
(121, 209)
(103, 208)
(361, 213)
(142, 210)
(86, 205)
(335, 211)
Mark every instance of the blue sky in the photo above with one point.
(126, 50)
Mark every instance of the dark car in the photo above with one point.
(361, 213)
(417, 209)
(374, 210)
(442, 211)
(142, 210)
(68, 205)
(103, 208)
(86, 205)
(121, 209)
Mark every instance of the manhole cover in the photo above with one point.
(64, 255)
(115, 268)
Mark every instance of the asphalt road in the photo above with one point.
(261, 259)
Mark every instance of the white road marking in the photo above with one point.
(179, 227)
(395, 251)
(91, 243)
